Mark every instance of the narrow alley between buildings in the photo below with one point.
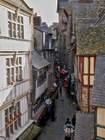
(52, 70)
(65, 108)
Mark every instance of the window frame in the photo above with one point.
(12, 119)
(99, 126)
(14, 70)
(89, 74)
(15, 26)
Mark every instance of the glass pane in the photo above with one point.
(7, 132)
(22, 20)
(101, 116)
(18, 19)
(17, 74)
(11, 128)
(6, 115)
(8, 76)
(22, 31)
(20, 73)
(8, 62)
(14, 17)
(17, 61)
(12, 61)
(91, 65)
(9, 15)
(14, 30)
(91, 80)
(85, 79)
(18, 31)
(20, 60)
(101, 132)
(86, 65)
(12, 74)
(10, 29)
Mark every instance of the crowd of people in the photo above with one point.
(63, 79)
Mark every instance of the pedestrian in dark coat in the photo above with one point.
(53, 110)
(74, 120)
(60, 88)
(68, 129)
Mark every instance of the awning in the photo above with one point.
(30, 133)
(38, 61)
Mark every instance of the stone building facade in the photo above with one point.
(15, 59)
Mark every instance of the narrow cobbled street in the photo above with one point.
(64, 108)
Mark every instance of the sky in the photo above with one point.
(46, 9)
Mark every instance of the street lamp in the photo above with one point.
(3, 137)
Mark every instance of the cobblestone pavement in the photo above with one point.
(64, 108)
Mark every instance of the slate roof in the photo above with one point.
(38, 61)
(90, 38)
(84, 129)
(98, 94)
(62, 4)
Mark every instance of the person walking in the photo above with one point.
(68, 129)
(60, 88)
(53, 110)
(74, 120)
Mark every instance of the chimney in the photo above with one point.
(37, 20)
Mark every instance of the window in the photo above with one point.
(14, 70)
(22, 31)
(8, 76)
(15, 26)
(9, 15)
(20, 60)
(10, 29)
(92, 65)
(86, 66)
(18, 110)
(12, 61)
(21, 19)
(18, 19)
(20, 72)
(18, 30)
(88, 71)
(101, 116)
(14, 30)
(12, 74)
(41, 78)
(6, 123)
(12, 119)
(17, 73)
(85, 79)
(14, 17)
(101, 122)
(8, 62)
